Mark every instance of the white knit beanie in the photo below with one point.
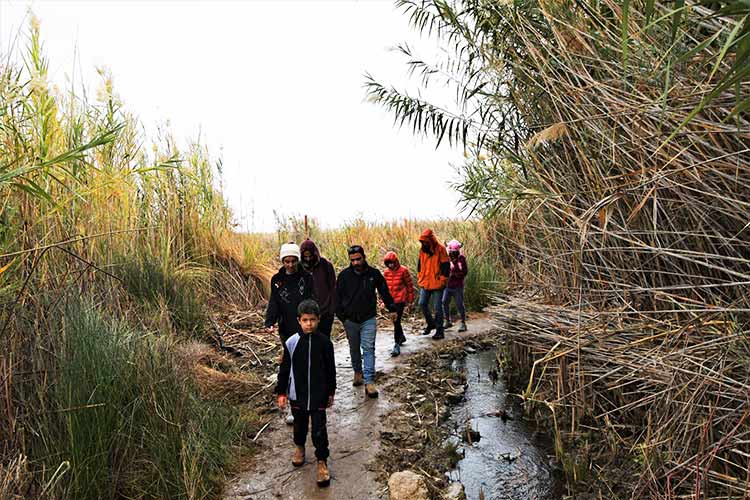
(289, 250)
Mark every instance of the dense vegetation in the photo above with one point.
(110, 245)
(608, 143)
(115, 250)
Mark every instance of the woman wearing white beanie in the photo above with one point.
(290, 286)
(289, 250)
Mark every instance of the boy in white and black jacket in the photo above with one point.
(307, 379)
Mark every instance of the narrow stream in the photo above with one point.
(508, 460)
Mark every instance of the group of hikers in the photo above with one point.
(305, 297)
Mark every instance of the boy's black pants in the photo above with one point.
(398, 330)
(319, 430)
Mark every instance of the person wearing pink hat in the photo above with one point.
(455, 288)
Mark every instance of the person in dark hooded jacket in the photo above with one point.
(324, 283)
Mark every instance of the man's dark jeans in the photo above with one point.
(434, 296)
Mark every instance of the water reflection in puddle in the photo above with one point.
(507, 462)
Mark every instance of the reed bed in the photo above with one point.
(609, 141)
(111, 246)
(672, 398)
(637, 228)
(640, 226)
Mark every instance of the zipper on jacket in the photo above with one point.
(309, 385)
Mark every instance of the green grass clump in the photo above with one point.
(148, 281)
(122, 419)
(485, 280)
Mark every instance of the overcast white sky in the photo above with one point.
(274, 87)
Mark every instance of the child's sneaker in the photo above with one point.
(427, 330)
(395, 351)
(462, 328)
(289, 419)
(324, 477)
(439, 335)
(298, 460)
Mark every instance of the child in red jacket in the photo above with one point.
(402, 289)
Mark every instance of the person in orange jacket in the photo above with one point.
(401, 286)
(433, 268)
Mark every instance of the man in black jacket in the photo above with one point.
(356, 307)
(307, 378)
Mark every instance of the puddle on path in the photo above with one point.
(508, 461)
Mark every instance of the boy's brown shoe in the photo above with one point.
(371, 390)
(298, 460)
(359, 379)
(324, 477)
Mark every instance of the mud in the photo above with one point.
(355, 424)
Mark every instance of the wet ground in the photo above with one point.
(506, 462)
(354, 425)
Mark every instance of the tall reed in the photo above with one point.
(609, 142)
(98, 221)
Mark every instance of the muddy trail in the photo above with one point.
(459, 382)
(354, 425)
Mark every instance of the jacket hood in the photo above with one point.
(309, 246)
(391, 257)
(428, 236)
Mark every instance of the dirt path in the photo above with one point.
(354, 426)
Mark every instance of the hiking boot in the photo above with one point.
(298, 460)
(371, 391)
(396, 350)
(323, 477)
(448, 324)
(462, 328)
(439, 334)
(359, 379)
(289, 419)
(402, 340)
(427, 330)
